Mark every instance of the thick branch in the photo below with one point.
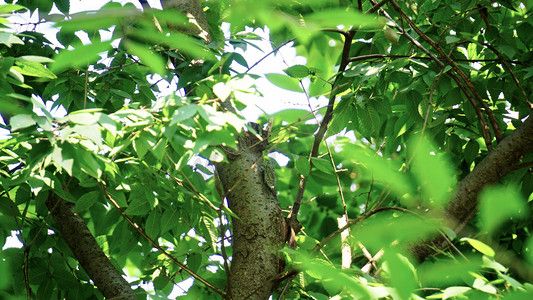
(81, 242)
(194, 11)
(492, 169)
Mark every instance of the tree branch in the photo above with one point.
(458, 71)
(376, 6)
(484, 127)
(153, 243)
(493, 168)
(83, 245)
(506, 64)
(293, 215)
(271, 52)
(377, 56)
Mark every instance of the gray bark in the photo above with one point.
(86, 250)
(259, 231)
(492, 169)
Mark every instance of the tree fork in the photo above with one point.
(259, 228)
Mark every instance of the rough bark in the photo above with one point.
(493, 168)
(194, 11)
(259, 230)
(83, 245)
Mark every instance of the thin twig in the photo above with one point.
(335, 171)
(455, 67)
(344, 33)
(426, 118)
(155, 245)
(484, 127)
(353, 222)
(506, 64)
(85, 87)
(268, 54)
(377, 56)
(523, 165)
(293, 215)
(220, 191)
(376, 6)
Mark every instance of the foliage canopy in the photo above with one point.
(428, 143)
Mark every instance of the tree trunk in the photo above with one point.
(83, 245)
(259, 228)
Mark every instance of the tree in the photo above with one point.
(413, 181)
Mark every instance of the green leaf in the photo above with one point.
(82, 118)
(402, 274)
(471, 151)
(211, 229)
(35, 69)
(63, 6)
(297, 71)
(183, 113)
(333, 17)
(454, 291)
(86, 201)
(184, 159)
(433, 172)
(369, 120)
(91, 22)
(138, 206)
(482, 285)
(153, 224)
(451, 39)
(35, 58)
(119, 198)
(332, 280)
(159, 148)
(21, 121)
(499, 204)
(479, 246)
(322, 164)
(64, 156)
(141, 145)
(176, 40)
(194, 261)
(385, 171)
(391, 35)
(9, 8)
(302, 165)
(88, 164)
(446, 272)
(284, 82)
(9, 39)
(81, 56)
(147, 56)
(120, 93)
(160, 282)
(169, 219)
(91, 132)
(528, 249)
